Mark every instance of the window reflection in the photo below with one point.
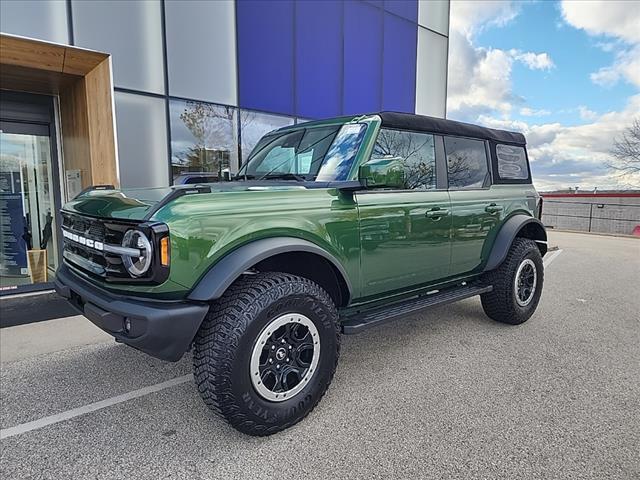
(203, 137)
(466, 162)
(340, 157)
(253, 125)
(417, 152)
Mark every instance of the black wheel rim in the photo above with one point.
(284, 357)
(525, 282)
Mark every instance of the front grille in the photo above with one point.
(93, 231)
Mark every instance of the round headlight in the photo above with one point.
(137, 266)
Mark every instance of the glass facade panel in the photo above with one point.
(131, 32)
(201, 50)
(399, 72)
(28, 231)
(142, 141)
(362, 58)
(431, 73)
(434, 14)
(204, 137)
(253, 125)
(42, 19)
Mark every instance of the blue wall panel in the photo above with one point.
(319, 58)
(362, 58)
(265, 55)
(399, 71)
(405, 8)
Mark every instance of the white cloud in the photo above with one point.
(469, 17)
(586, 114)
(481, 91)
(535, 61)
(626, 65)
(530, 112)
(480, 78)
(563, 156)
(619, 20)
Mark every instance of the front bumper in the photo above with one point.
(162, 329)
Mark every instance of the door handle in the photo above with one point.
(437, 213)
(493, 208)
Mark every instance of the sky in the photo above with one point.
(565, 73)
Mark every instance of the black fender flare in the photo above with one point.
(227, 270)
(509, 232)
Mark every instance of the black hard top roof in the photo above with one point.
(421, 123)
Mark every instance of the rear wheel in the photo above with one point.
(267, 351)
(517, 284)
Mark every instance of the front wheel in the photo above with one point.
(267, 351)
(517, 284)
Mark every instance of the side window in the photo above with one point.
(466, 162)
(415, 150)
(512, 162)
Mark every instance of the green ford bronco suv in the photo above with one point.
(331, 227)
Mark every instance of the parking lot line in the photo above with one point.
(92, 407)
(550, 258)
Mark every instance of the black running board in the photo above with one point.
(360, 322)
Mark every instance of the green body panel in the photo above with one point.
(206, 227)
(476, 222)
(401, 246)
(387, 241)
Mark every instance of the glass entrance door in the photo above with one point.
(28, 207)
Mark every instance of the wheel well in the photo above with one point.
(534, 231)
(311, 266)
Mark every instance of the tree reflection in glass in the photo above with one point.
(417, 152)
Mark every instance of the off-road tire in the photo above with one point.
(223, 347)
(501, 304)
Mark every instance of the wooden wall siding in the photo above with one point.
(100, 120)
(75, 130)
(82, 80)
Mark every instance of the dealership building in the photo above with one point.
(134, 93)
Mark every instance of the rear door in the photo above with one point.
(476, 211)
(405, 232)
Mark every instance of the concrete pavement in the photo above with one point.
(446, 393)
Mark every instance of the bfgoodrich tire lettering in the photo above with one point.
(502, 303)
(224, 344)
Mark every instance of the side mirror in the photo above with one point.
(382, 172)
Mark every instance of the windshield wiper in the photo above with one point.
(283, 176)
(243, 176)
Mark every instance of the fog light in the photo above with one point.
(127, 325)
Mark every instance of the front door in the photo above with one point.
(404, 233)
(29, 199)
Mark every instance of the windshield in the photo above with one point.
(322, 153)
